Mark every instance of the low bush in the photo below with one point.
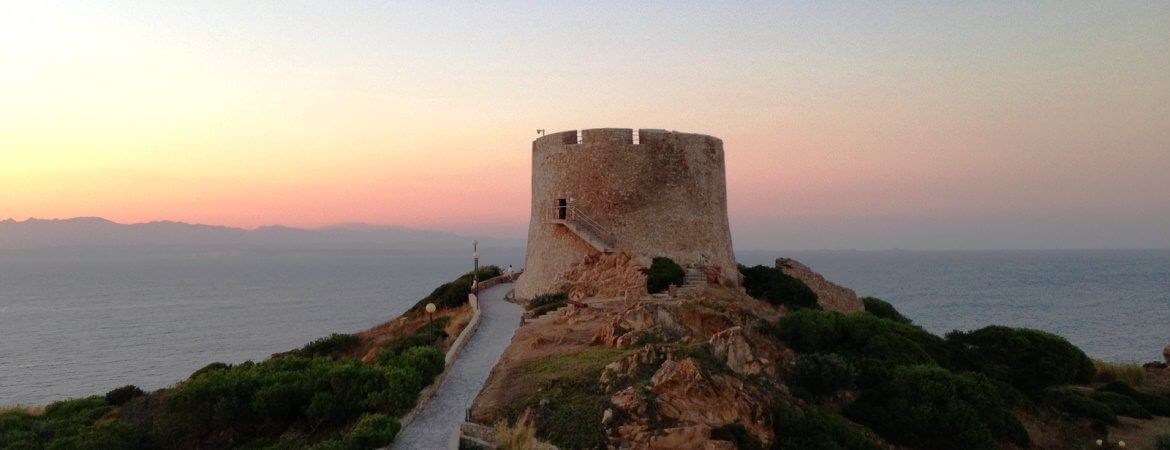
(821, 374)
(883, 309)
(857, 336)
(430, 334)
(545, 309)
(1121, 405)
(428, 361)
(454, 294)
(547, 299)
(571, 417)
(1028, 359)
(86, 409)
(776, 287)
(1077, 405)
(246, 402)
(69, 424)
(929, 407)
(120, 396)
(1130, 373)
(562, 396)
(519, 436)
(332, 346)
(209, 369)
(372, 431)
(813, 429)
(737, 434)
(1155, 365)
(1162, 441)
(1155, 404)
(662, 273)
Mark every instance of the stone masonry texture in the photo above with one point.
(665, 196)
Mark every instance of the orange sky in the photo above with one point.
(310, 115)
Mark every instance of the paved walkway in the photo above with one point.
(433, 427)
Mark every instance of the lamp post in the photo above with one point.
(475, 271)
(430, 312)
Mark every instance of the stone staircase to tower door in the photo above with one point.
(584, 227)
(695, 280)
(693, 283)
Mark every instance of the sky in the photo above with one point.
(847, 125)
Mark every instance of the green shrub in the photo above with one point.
(1121, 404)
(19, 429)
(404, 383)
(1077, 405)
(372, 431)
(821, 374)
(812, 429)
(571, 416)
(123, 394)
(248, 402)
(777, 288)
(545, 309)
(547, 299)
(857, 336)
(662, 273)
(332, 345)
(427, 361)
(86, 409)
(103, 435)
(454, 294)
(737, 434)
(69, 424)
(1162, 441)
(930, 407)
(430, 334)
(1155, 404)
(215, 366)
(1028, 359)
(883, 309)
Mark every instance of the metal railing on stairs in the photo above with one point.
(569, 214)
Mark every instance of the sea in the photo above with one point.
(81, 324)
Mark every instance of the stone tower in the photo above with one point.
(610, 196)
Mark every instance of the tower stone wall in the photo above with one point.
(665, 195)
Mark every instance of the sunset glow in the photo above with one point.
(852, 121)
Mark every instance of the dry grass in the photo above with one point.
(521, 436)
(1132, 374)
(33, 410)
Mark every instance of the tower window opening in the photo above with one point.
(562, 209)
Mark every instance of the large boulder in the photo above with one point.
(732, 346)
(829, 295)
(688, 395)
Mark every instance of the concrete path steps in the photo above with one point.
(433, 427)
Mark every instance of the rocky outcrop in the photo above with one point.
(829, 295)
(682, 403)
(732, 346)
(661, 321)
(1166, 354)
(605, 275)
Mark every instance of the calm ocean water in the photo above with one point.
(72, 326)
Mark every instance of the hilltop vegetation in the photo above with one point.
(780, 371)
(324, 395)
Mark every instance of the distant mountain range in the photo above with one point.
(99, 232)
